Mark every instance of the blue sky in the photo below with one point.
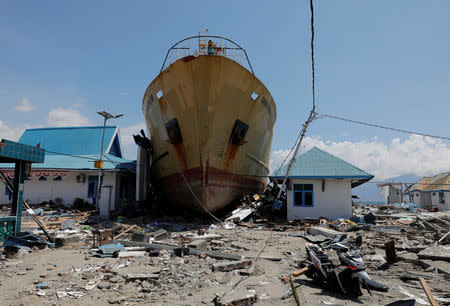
(382, 61)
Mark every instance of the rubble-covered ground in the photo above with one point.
(268, 254)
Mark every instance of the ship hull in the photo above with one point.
(211, 139)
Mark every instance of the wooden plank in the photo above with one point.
(428, 292)
(300, 272)
(294, 291)
(125, 231)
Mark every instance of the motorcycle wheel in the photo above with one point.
(352, 285)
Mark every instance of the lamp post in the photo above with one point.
(106, 116)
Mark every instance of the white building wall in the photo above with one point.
(335, 201)
(416, 197)
(68, 189)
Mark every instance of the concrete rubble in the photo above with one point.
(176, 261)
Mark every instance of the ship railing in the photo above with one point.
(207, 45)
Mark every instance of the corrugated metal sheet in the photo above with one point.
(439, 182)
(80, 144)
(70, 140)
(82, 162)
(316, 163)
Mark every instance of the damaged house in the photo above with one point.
(432, 193)
(320, 185)
(68, 171)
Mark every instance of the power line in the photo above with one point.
(416, 183)
(312, 55)
(382, 126)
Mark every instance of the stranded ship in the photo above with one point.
(211, 124)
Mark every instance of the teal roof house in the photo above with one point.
(69, 172)
(320, 185)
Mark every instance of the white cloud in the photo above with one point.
(417, 154)
(66, 117)
(126, 135)
(25, 106)
(10, 133)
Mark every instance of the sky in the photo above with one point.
(384, 62)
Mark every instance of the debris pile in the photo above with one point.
(250, 258)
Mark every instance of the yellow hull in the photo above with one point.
(207, 131)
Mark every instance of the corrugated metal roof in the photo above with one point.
(439, 182)
(83, 140)
(316, 163)
(77, 148)
(82, 162)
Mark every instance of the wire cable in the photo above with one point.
(382, 126)
(196, 198)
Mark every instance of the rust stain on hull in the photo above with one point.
(230, 156)
(181, 155)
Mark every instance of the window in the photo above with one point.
(441, 198)
(92, 186)
(303, 195)
(42, 178)
(58, 178)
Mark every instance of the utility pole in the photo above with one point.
(99, 165)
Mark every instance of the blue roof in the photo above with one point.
(316, 163)
(70, 140)
(81, 162)
(76, 148)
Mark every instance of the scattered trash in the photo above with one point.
(229, 225)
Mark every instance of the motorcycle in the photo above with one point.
(349, 276)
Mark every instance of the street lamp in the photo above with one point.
(106, 116)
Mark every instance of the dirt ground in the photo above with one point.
(69, 275)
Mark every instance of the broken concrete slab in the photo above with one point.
(435, 265)
(141, 276)
(171, 247)
(125, 254)
(68, 224)
(241, 300)
(436, 253)
(231, 265)
(246, 272)
(199, 244)
(160, 234)
(316, 230)
(239, 245)
(217, 243)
